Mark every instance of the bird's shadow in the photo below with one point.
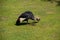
(26, 24)
(21, 24)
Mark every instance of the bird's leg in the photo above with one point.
(27, 21)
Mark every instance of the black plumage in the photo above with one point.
(28, 15)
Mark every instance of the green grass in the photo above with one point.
(47, 29)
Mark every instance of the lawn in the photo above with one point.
(48, 28)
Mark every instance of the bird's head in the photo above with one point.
(37, 19)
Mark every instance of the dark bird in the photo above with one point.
(25, 17)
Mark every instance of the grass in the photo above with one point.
(47, 29)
